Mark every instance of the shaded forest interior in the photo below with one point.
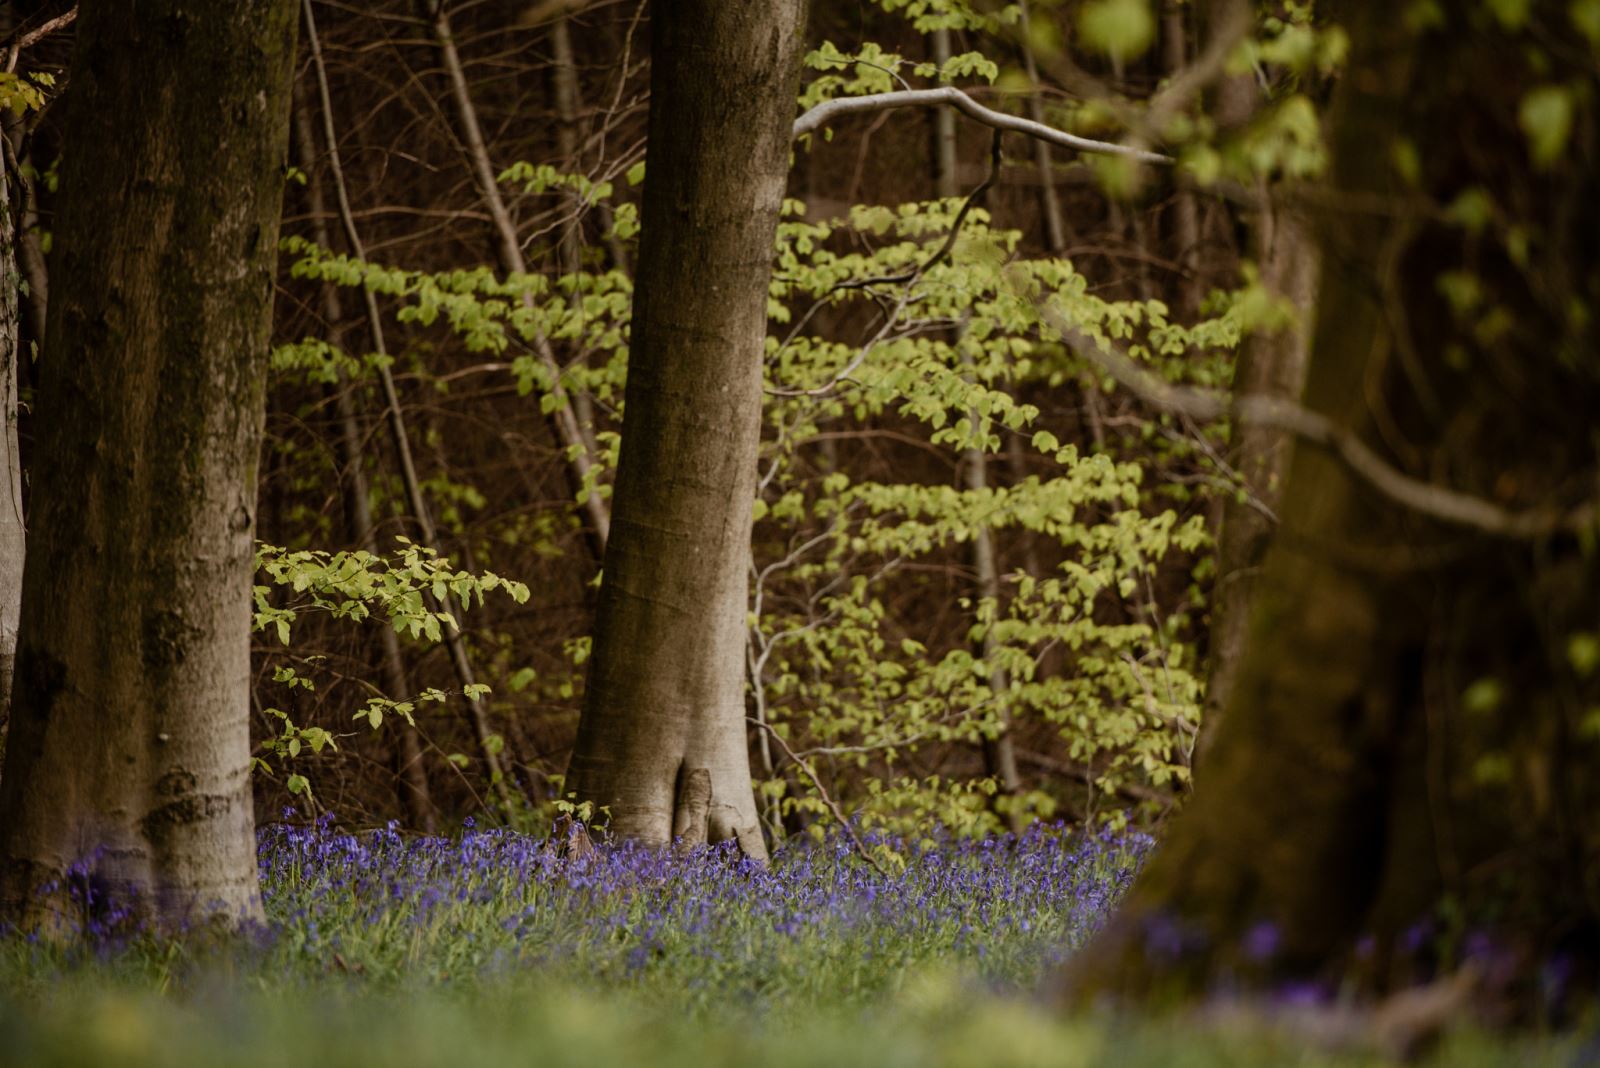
(568, 97)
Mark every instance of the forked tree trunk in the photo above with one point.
(1408, 742)
(662, 740)
(129, 753)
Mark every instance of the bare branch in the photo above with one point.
(827, 799)
(1131, 791)
(1424, 498)
(830, 110)
(1232, 26)
(28, 38)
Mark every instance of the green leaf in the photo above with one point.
(1122, 28)
(1483, 697)
(1585, 16)
(297, 784)
(1511, 14)
(1583, 653)
(1545, 116)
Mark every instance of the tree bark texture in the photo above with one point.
(11, 524)
(1405, 758)
(662, 740)
(127, 769)
(1271, 364)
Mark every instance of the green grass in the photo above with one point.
(935, 1019)
(481, 950)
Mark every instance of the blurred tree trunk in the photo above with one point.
(1410, 741)
(662, 740)
(128, 766)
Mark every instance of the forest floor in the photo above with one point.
(484, 948)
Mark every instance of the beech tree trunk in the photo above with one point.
(128, 766)
(11, 525)
(662, 740)
(1405, 767)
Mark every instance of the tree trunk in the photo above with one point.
(999, 750)
(945, 155)
(662, 740)
(11, 525)
(1271, 364)
(1185, 210)
(1408, 741)
(1055, 228)
(128, 767)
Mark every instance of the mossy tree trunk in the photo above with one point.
(662, 740)
(1406, 760)
(128, 766)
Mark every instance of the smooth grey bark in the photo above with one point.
(129, 752)
(664, 712)
(944, 127)
(410, 772)
(11, 524)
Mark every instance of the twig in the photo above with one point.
(454, 644)
(1425, 498)
(844, 824)
(829, 110)
(1130, 790)
(906, 279)
(28, 38)
(950, 239)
